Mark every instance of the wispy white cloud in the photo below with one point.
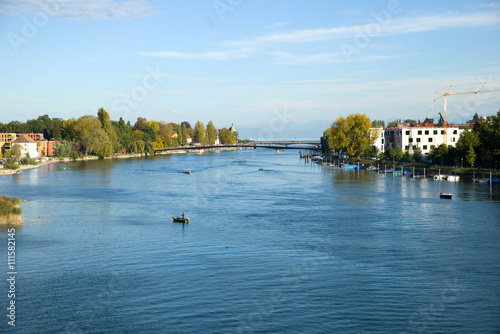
(394, 26)
(209, 55)
(276, 25)
(494, 5)
(92, 10)
(270, 44)
(319, 58)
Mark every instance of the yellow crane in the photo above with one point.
(445, 97)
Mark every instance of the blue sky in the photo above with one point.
(259, 64)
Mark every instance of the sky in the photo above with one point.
(272, 66)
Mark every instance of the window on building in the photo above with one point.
(407, 148)
(410, 140)
(408, 132)
(419, 132)
(442, 132)
(382, 140)
(424, 147)
(453, 139)
(381, 147)
(426, 132)
(435, 132)
(455, 132)
(418, 140)
(430, 140)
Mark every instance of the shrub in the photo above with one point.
(11, 165)
(73, 155)
(28, 161)
(9, 205)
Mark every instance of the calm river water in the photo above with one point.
(295, 248)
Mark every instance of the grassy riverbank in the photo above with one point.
(10, 211)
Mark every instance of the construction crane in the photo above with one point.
(445, 97)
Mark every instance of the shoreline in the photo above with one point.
(50, 160)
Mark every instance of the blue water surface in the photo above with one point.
(292, 248)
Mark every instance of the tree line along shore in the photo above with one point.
(476, 147)
(100, 136)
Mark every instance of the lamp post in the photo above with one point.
(462, 162)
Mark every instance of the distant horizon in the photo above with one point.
(274, 130)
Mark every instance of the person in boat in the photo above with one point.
(182, 215)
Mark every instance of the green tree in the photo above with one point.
(47, 126)
(92, 136)
(467, 139)
(112, 143)
(394, 123)
(227, 137)
(62, 149)
(378, 123)
(350, 134)
(470, 156)
(488, 132)
(35, 126)
(389, 153)
(149, 147)
(417, 153)
(184, 134)
(407, 156)
(16, 152)
(371, 152)
(211, 133)
(68, 130)
(199, 133)
(56, 129)
(439, 154)
(398, 153)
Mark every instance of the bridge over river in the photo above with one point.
(277, 145)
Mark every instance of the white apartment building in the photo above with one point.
(425, 137)
(379, 133)
(28, 146)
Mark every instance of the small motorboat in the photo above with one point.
(180, 220)
(187, 171)
(445, 195)
(261, 168)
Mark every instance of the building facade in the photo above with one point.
(379, 134)
(6, 140)
(29, 146)
(425, 136)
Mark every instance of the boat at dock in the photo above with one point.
(440, 177)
